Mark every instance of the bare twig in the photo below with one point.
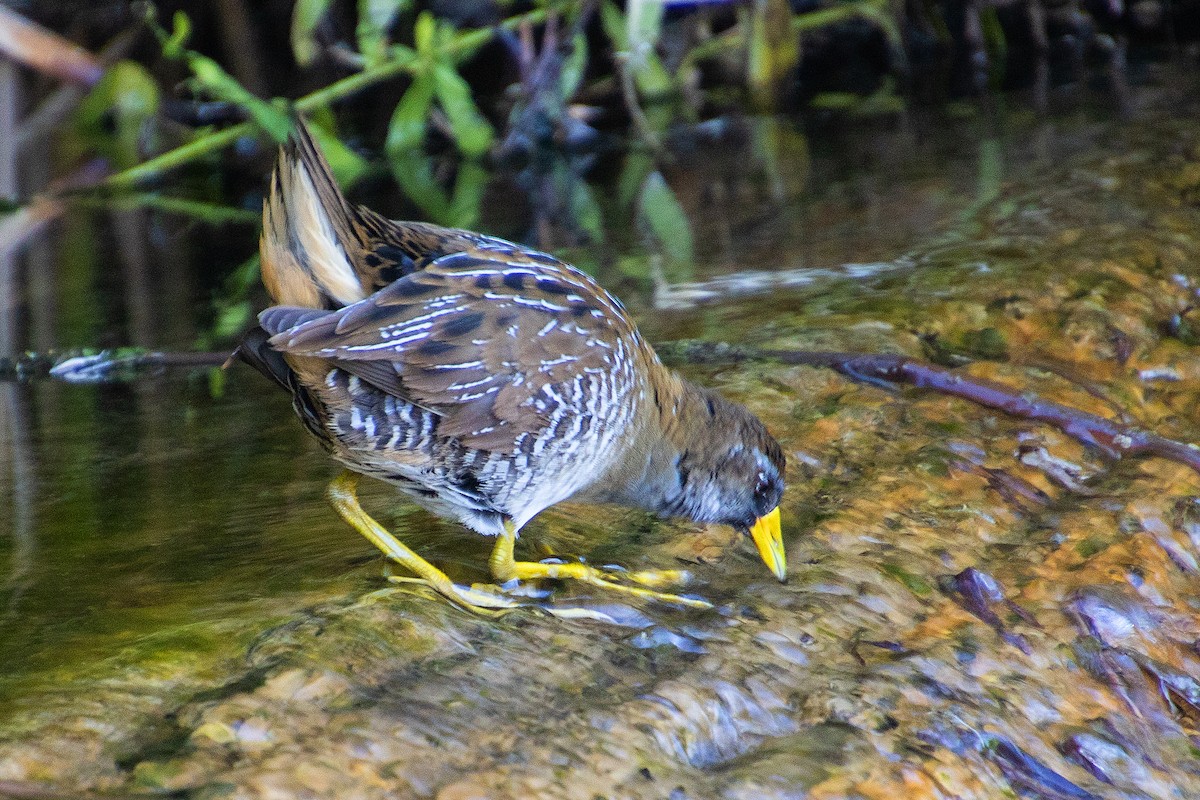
(106, 366)
(25, 223)
(22, 225)
(45, 51)
(1114, 439)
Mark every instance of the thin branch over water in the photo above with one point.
(1114, 439)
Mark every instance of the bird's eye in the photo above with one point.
(762, 485)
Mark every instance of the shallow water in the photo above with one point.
(182, 611)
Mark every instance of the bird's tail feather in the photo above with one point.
(309, 235)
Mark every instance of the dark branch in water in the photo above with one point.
(1025, 772)
(106, 366)
(980, 593)
(1114, 439)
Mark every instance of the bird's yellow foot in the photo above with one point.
(653, 578)
(607, 579)
(506, 568)
(343, 495)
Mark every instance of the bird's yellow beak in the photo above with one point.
(769, 541)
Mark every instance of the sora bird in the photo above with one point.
(488, 381)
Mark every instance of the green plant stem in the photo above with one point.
(871, 10)
(179, 156)
(463, 45)
(211, 213)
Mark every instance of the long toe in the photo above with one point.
(610, 581)
(478, 600)
(652, 577)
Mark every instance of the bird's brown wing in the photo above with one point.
(497, 340)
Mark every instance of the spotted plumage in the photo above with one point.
(486, 380)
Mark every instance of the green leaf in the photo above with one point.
(649, 74)
(424, 35)
(468, 195)
(126, 86)
(911, 581)
(306, 15)
(130, 93)
(573, 68)
(774, 49)
(209, 77)
(472, 133)
(199, 210)
(613, 22)
(414, 172)
(174, 44)
(410, 119)
(667, 222)
(214, 80)
(232, 319)
(246, 276)
(374, 19)
(216, 390)
(638, 164)
(770, 139)
(836, 101)
(585, 210)
(635, 266)
(874, 12)
(643, 21)
(991, 172)
(347, 165)
(231, 305)
(885, 19)
(996, 44)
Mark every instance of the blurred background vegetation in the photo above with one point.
(181, 102)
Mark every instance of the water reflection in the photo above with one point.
(19, 489)
(144, 504)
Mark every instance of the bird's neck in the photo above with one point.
(646, 476)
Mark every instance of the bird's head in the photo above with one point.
(730, 471)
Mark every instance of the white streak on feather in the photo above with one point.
(538, 302)
(548, 364)
(470, 385)
(313, 233)
(461, 365)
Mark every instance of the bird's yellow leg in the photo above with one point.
(344, 498)
(505, 568)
